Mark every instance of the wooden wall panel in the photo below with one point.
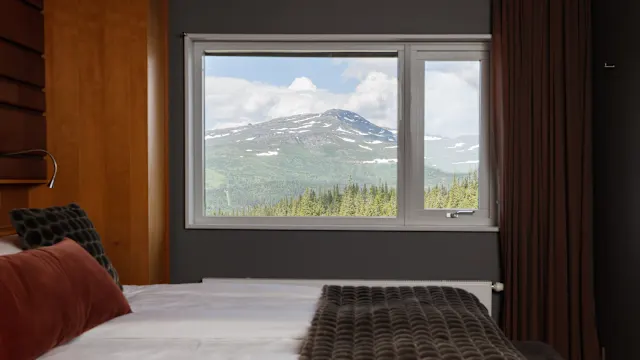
(105, 121)
(157, 147)
(22, 23)
(21, 130)
(21, 64)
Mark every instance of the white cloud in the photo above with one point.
(360, 68)
(451, 93)
(302, 84)
(452, 102)
(376, 98)
(234, 102)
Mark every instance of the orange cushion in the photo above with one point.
(50, 295)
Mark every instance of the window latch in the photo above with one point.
(457, 214)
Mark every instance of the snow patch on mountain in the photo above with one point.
(380, 161)
(365, 147)
(305, 126)
(340, 129)
(474, 147)
(373, 142)
(307, 118)
(466, 162)
(346, 139)
(432, 138)
(209, 137)
(268, 153)
(457, 145)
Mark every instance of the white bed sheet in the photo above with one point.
(201, 321)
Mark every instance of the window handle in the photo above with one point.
(456, 214)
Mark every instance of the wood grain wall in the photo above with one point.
(105, 92)
(22, 103)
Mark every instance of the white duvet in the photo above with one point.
(201, 321)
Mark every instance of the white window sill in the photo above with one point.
(428, 228)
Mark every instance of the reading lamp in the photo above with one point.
(37, 151)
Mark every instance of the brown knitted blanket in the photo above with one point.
(426, 323)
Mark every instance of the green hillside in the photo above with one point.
(273, 164)
(356, 200)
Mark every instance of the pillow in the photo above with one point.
(45, 227)
(10, 245)
(50, 295)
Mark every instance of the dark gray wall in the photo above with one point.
(309, 254)
(617, 175)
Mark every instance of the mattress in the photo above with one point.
(201, 321)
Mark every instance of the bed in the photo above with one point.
(212, 320)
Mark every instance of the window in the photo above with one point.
(337, 134)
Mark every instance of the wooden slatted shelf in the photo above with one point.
(22, 182)
(8, 230)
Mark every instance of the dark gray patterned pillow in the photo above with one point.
(45, 227)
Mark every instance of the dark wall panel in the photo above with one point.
(616, 175)
(21, 130)
(309, 254)
(22, 23)
(32, 168)
(22, 102)
(35, 3)
(21, 95)
(332, 17)
(21, 64)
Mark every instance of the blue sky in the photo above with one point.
(325, 73)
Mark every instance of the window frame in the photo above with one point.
(197, 45)
(417, 214)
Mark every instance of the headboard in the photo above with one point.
(22, 102)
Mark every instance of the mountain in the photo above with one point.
(282, 157)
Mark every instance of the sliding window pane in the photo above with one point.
(301, 134)
(451, 134)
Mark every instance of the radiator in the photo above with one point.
(482, 289)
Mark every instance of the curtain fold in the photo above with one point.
(541, 121)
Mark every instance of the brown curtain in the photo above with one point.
(541, 65)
